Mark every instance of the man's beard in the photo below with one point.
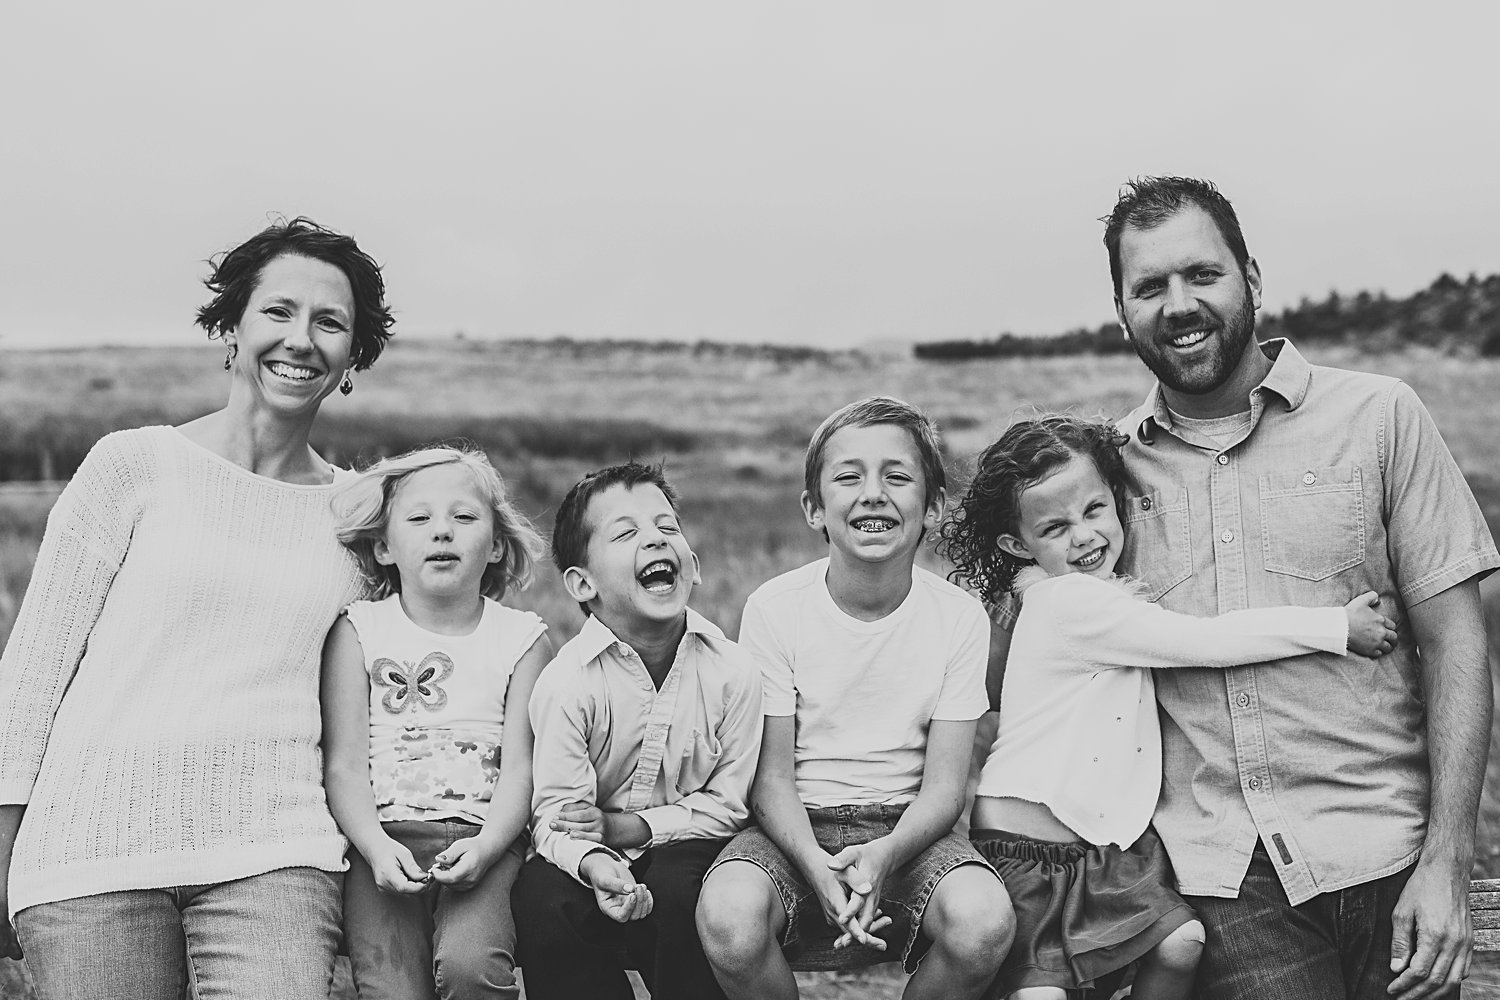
(1201, 376)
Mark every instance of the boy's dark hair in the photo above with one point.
(1147, 202)
(870, 412)
(1025, 454)
(571, 530)
(236, 273)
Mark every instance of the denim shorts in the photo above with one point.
(903, 898)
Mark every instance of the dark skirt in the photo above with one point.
(1082, 911)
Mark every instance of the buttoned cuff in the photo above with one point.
(568, 854)
(666, 823)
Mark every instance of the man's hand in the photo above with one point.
(620, 897)
(1370, 632)
(1431, 940)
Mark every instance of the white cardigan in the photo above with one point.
(159, 693)
(1078, 724)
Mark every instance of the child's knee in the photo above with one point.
(1182, 948)
(469, 974)
(971, 917)
(739, 916)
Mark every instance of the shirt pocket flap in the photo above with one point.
(1158, 539)
(1312, 520)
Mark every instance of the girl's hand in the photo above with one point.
(464, 863)
(1370, 632)
(580, 821)
(620, 897)
(395, 870)
(862, 868)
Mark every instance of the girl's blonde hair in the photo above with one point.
(362, 508)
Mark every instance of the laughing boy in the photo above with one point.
(648, 728)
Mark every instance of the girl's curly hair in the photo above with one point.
(1028, 452)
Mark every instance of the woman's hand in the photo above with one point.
(465, 862)
(1370, 632)
(10, 824)
(10, 945)
(395, 870)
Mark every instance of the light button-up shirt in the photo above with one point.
(1339, 484)
(682, 757)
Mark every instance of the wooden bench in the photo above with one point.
(1484, 910)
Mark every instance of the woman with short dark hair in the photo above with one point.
(159, 718)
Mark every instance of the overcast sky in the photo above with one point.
(813, 172)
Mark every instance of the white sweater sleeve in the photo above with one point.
(1108, 627)
(87, 535)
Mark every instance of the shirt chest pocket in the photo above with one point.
(699, 759)
(1312, 521)
(1158, 540)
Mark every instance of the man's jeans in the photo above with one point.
(271, 935)
(1336, 946)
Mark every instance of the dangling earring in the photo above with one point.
(346, 386)
(229, 353)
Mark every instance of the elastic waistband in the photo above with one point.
(1003, 843)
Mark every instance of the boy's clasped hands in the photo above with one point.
(851, 898)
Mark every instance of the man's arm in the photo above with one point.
(1432, 940)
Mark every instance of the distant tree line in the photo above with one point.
(1451, 315)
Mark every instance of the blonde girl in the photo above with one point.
(1065, 799)
(425, 732)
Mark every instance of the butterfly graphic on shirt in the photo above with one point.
(410, 686)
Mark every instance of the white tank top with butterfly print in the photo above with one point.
(437, 707)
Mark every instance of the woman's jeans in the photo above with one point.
(271, 935)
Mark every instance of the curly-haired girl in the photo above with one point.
(1065, 799)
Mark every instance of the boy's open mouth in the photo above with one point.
(874, 525)
(443, 557)
(658, 577)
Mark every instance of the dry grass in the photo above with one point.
(732, 425)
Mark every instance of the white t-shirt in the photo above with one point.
(863, 693)
(437, 707)
(1078, 725)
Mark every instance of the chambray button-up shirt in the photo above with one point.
(1340, 484)
(683, 757)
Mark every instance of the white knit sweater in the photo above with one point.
(159, 692)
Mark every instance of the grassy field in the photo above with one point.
(730, 422)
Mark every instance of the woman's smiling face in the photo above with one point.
(294, 339)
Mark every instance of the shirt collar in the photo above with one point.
(595, 636)
(1289, 378)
